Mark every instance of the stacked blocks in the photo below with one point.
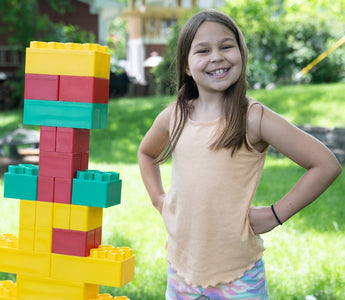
(59, 252)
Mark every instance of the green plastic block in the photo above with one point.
(21, 182)
(96, 189)
(65, 114)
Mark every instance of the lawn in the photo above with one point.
(305, 256)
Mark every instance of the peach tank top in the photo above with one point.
(205, 212)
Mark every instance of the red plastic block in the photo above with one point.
(73, 242)
(63, 190)
(45, 188)
(63, 165)
(47, 138)
(71, 140)
(84, 89)
(98, 236)
(41, 87)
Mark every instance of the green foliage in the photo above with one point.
(283, 36)
(22, 22)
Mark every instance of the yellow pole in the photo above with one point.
(320, 58)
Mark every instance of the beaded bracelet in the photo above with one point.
(276, 215)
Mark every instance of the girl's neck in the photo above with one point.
(206, 110)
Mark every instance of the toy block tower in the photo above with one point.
(58, 254)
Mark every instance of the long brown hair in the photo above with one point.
(235, 103)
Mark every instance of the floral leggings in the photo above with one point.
(252, 285)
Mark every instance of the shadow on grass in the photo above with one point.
(326, 214)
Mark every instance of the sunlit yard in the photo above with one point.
(305, 256)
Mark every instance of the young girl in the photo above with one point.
(218, 138)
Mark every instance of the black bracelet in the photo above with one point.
(276, 215)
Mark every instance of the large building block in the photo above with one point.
(65, 114)
(105, 266)
(19, 261)
(8, 240)
(26, 238)
(62, 216)
(44, 214)
(27, 223)
(107, 296)
(20, 182)
(8, 290)
(67, 59)
(33, 288)
(43, 239)
(72, 140)
(45, 188)
(63, 165)
(95, 188)
(27, 213)
(48, 138)
(73, 242)
(63, 190)
(85, 218)
(41, 87)
(84, 89)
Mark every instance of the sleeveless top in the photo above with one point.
(210, 240)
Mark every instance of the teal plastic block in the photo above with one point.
(96, 189)
(20, 182)
(65, 114)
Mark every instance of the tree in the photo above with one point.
(21, 22)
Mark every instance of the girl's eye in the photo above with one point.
(201, 51)
(225, 47)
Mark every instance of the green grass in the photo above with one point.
(305, 256)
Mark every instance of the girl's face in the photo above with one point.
(214, 59)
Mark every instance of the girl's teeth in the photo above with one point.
(218, 72)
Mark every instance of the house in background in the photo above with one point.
(149, 25)
(91, 15)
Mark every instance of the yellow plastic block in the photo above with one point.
(62, 216)
(7, 290)
(8, 240)
(43, 239)
(44, 214)
(26, 238)
(17, 261)
(105, 266)
(85, 218)
(107, 296)
(27, 213)
(32, 288)
(67, 59)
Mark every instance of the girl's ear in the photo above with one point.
(188, 71)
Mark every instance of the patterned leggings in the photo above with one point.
(252, 285)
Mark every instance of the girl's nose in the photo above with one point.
(216, 56)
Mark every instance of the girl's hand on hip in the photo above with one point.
(262, 219)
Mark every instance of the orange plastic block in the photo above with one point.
(34, 288)
(105, 266)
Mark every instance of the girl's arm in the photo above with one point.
(150, 147)
(321, 166)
